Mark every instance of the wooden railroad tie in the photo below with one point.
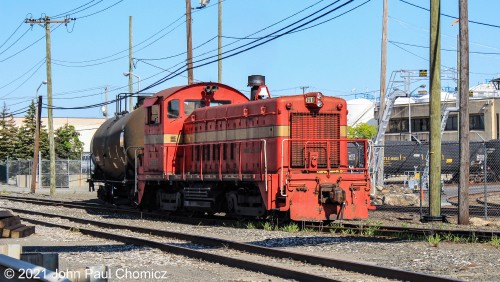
(11, 226)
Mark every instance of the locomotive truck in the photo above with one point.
(207, 148)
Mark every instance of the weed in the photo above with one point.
(495, 241)
(449, 237)
(292, 227)
(434, 240)
(370, 230)
(405, 225)
(250, 225)
(347, 232)
(267, 226)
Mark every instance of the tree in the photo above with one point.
(26, 135)
(362, 130)
(8, 133)
(68, 145)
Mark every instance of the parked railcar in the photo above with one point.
(401, 157)
(207, 148)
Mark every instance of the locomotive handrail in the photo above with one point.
(328, 168)
(263, 157)
(135, 164)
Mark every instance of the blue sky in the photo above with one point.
(340, 57)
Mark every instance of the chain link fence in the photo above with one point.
(406, 176)
(69, 173)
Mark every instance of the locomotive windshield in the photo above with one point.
(191, 105)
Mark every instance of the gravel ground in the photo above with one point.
(472, 261)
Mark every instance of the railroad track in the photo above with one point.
(363, 229)
(108, 208)
(450, 211)
(339, 268)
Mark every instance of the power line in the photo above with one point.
(125, 50)
(81, 6)
(34, 72)
(14, 43)
(452, 17)
(100, 11)
(42, 60)
(7, 40)
(444, 49)
(426, 59)
(239, 39)
(259, 44)
(31, 45)
(177, 73)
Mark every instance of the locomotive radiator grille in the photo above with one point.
(314, 126)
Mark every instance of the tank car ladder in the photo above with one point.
(444, 120)
(377, 160)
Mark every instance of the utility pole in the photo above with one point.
(463, 189)
(52, 151)
(106, 90)
(379, 167)
(189, 43)
(130, 66)
(37, 144)
(219, 39)
(435, 115)
(303, 89)
(383, 57)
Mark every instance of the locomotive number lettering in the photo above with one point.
(310, 99)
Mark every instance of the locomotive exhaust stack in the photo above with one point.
(259, 89)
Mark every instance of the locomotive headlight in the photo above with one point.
(314, 100)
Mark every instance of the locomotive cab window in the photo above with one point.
(154, 114)
(173, 109)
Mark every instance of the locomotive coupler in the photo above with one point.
(331, 193)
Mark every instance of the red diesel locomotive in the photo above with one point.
(207, 148)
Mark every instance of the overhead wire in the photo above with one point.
(34, 72)
(444, 49)
(100, 11)
(258, 44)
(10, 36)
(177, 73)
(125, 50)
(243, 38)
(14, 43)
(22, 75)
(75, 10)
(449, 16)
(27, 47)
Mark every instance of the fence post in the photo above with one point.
(485, 180)
(7, 170)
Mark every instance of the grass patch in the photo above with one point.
(292, 227)
(434, 240)
(267, 226)
(495, 241)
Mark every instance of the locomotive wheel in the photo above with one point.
(232, 202)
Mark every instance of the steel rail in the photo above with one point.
(117, 209)
(346, 265)
(387, 230)
(214, 258)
